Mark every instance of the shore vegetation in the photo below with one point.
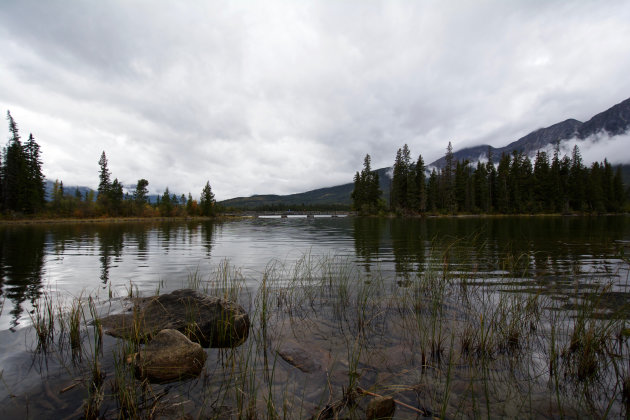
(327, 339)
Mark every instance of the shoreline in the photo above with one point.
(95, 220)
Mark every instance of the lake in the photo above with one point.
(548, 267)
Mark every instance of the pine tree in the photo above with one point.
(206, 201)
(481, 194)
(422, 184)
(35, 194)
(607, 186)
(190, 205)
(503, 184)
(366, 194)
(104, 184)
(448, 175)
(555, 180)
(492, 182)
(166, 206)
(519, 183)
(542, 183)
(140, 196)
(565, 169)
(619, 196)
(595, 190)
(373, 190)
(400, 178)
(15, 171)
(577, 180)
(115, 197)
(433, 191)
(462, 186)
(412, 199)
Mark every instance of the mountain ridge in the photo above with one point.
(338, 195)
(614, 121)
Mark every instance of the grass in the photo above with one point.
(442, 342)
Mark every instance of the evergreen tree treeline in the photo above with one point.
(22, 189)
(366, 196)
(514, 186)
(21, 177)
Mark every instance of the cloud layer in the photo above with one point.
(282, 97)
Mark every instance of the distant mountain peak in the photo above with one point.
(614, 121)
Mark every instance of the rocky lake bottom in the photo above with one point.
(325, 340)
(346, 318)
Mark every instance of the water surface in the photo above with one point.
(452, 316)
(97, 258)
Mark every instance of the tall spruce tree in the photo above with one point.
(366, 195)
(400, 179)
(206, 201)
(618, 191)
(104, 184)
(421, 182)
(371, 181)
(190, 205)
(480, 180)
(577, 180)
(433, 191)
(140, 195)
(166, 205)
(542, 182)
(595, 200)
(503, 184)
(448, 175)
(492, 181)
(397, 191)
(15, 171)
(36, 196)
(115, 197)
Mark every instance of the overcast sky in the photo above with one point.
(287, 96)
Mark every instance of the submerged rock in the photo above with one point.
(170, 356)
(380, 408)
(208, 320)
(307, 359)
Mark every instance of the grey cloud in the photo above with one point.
(278, 96)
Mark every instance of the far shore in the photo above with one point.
(233, 216)
(61, 220)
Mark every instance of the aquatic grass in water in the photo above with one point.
(325, 335)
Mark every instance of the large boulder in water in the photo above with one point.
(170, 356)
(208, 320)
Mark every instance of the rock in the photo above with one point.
(208, 320)
(380, 408)
(308, 360)
(170, 356)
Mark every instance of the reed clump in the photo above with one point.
(326, 336)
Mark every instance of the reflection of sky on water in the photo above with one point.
(75, 259)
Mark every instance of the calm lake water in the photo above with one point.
(557, 258)
(96, 258)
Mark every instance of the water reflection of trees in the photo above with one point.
(207, 230)
(534, 249)
(367, 239)
(111, 238)
(22, 252)
(408, 246)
